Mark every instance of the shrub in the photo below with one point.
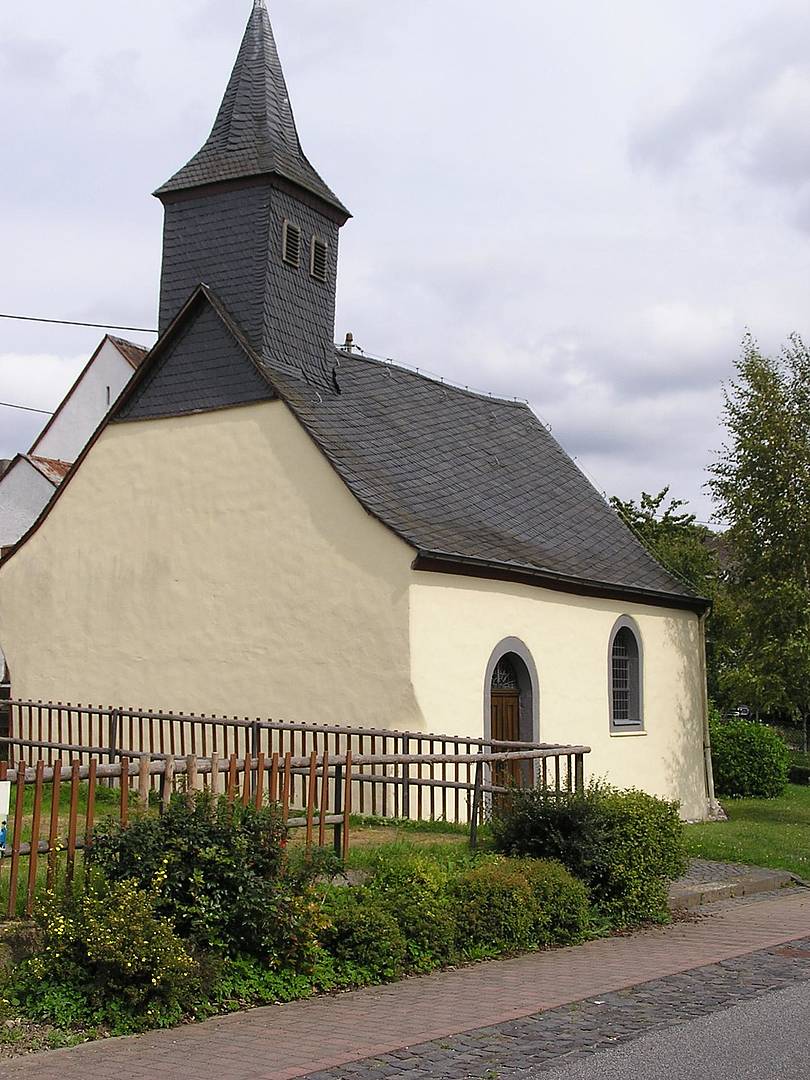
(219, 874)
(625, 845)
(362, 938)
(413, 890)
(106, 959)
(514, 905)
(749, 759)
(563, 910)
(494, 910)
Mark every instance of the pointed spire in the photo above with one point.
(254, 133)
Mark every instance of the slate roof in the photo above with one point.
(199, 367)
(461, 474)
(254, 133)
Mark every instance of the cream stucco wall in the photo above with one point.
(216, 564)
(212, 563)
(456, 623)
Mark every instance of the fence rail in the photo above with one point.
(411, 774)
(70, 764)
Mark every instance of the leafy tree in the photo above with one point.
(691, 552)
(674, 537)
(761, 486)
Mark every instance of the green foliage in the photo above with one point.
(513, 905)
(563, 910)
(674, 537)
(219, 873)
(761, 484)
(362, 938)
(625, 845)
(691, 551)
(106, 958)
(413, 890)
(242, 982)
(748, 759)
(494, 910)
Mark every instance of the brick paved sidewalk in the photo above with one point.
(295, 1040)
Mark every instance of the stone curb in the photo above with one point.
(691, 897)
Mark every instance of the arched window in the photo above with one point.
(626, 678)
(504, 677)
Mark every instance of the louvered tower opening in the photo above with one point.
(291, 244)
(319, 259)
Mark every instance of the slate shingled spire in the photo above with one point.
(229, 213)
(254, 133)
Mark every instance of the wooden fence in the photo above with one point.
(411, 774)
(56, 821)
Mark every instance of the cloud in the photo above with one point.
(39, 381)
(503, 237)
(747, 116)
(27, 61)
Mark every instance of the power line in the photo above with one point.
(72, 322)
(24, 408)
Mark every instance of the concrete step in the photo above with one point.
(687, 895)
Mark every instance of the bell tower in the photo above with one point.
(251, 218)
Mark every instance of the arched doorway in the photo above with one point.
(511, 706)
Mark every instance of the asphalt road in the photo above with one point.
(766, 1039)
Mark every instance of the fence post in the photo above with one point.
(347, 804)
(112, 739)
(255, 749)
(167, 782)
(339, 809)
(580, 774)
(406, 775)
(143, 782)
(476, 804)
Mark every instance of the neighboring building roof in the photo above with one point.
(55, 471)
(254, 133)
(4, 464)
(132, 353)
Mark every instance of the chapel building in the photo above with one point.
(268, 525)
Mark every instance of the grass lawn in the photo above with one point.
(760, 832)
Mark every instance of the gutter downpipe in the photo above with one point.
(716, 811)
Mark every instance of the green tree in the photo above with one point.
(691, 552)
(674, 537)
(761, 486)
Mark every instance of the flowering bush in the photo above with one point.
(107, 959)
(220, 873)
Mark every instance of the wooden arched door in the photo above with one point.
(505, 720)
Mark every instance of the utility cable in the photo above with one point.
(72, 322)
(24, 408)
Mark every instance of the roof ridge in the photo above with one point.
(432, 377)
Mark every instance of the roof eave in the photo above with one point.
(444, 563)
(171, 191)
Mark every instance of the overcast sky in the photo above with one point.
(579, 202)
